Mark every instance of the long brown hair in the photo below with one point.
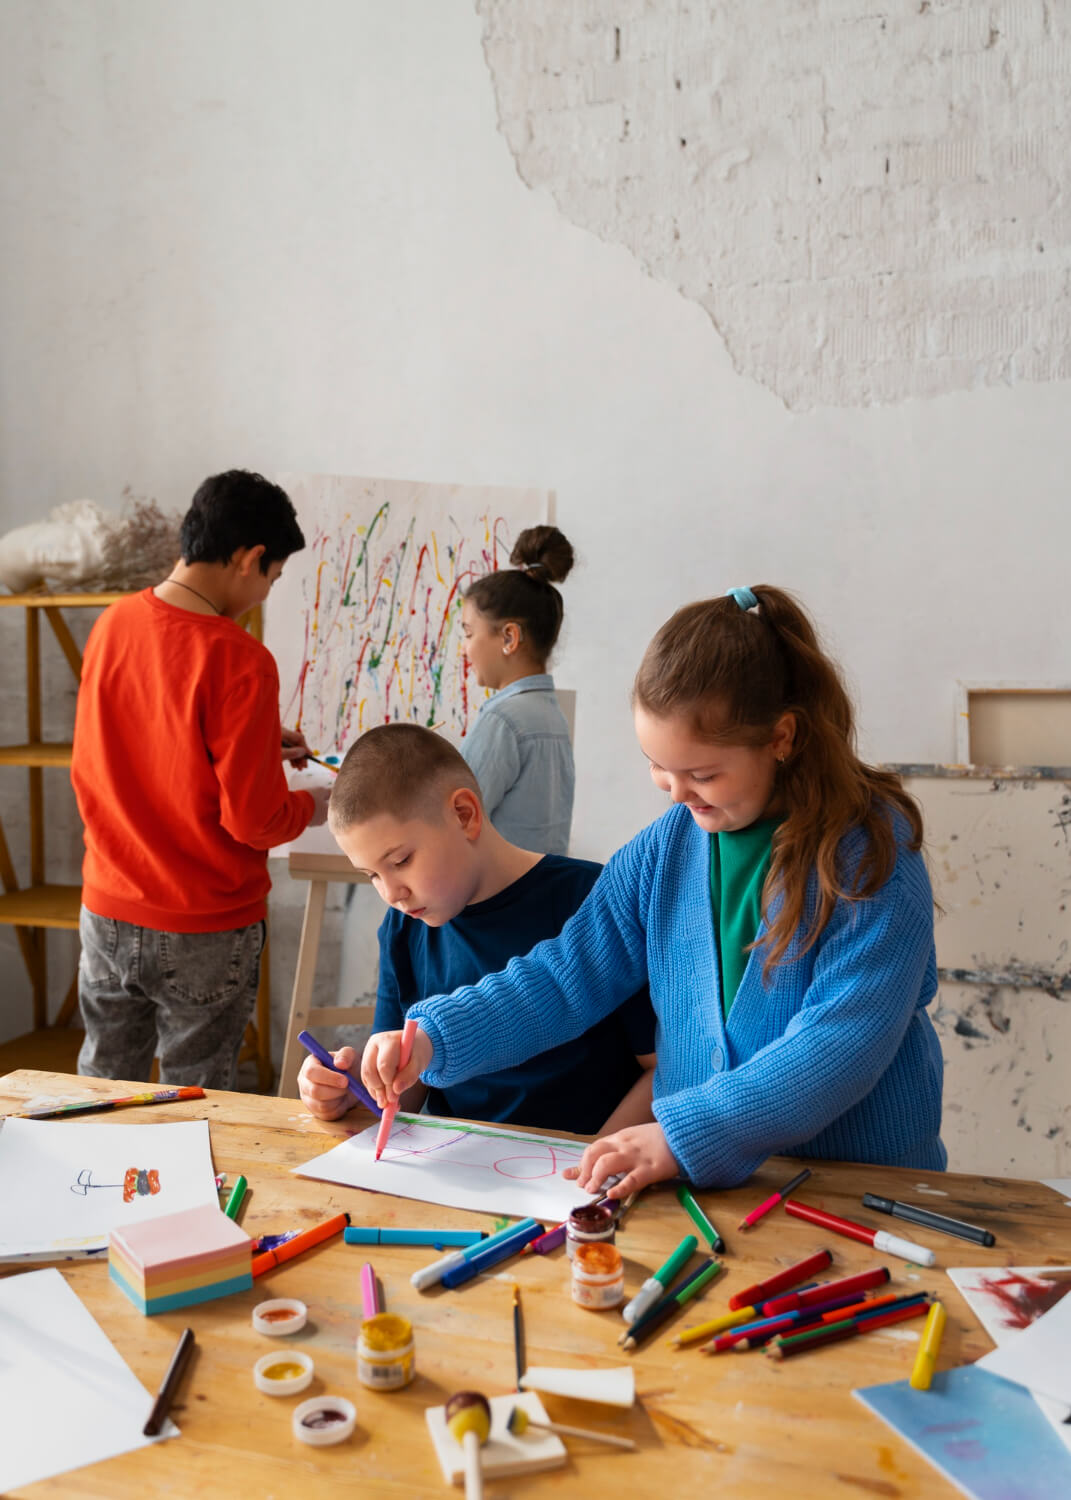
(732, 673)
(541, 557)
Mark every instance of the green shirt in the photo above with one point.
(739, 863)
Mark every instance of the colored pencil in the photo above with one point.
(890, 1243)
(774, 1199)
(863, 1281)
(671, 1303)
(361, 1234)
(489, 1254)
(234, 1202)
(655, 1286)
(166, 1394)
(518, 1335)
(929, 1220)
(752, 1295)
(714, 1326)
(122, 1101)
(833, 1333)
(299, 1244)
(369, 1291)
(809, 1317)
(929, 1343)
(357, 1089)
(700, 1220)
(386, 1120)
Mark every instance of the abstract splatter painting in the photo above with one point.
(365, 623)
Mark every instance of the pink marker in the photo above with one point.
(369, 1291)
(409, 1032)
(774, 1199)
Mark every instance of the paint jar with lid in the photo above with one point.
(598, 1276)
(385, 1355)
(590, 1224)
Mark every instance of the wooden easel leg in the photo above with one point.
(304, 978)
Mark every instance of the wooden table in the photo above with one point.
(735, 1425)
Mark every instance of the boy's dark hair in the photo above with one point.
(240, 509)
(401, 769)
(525, 592)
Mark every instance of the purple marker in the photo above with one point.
(321, 1054)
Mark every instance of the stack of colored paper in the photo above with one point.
(181, 1258)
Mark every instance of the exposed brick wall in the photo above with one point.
(870, 200)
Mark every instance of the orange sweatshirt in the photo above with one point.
(178, 769)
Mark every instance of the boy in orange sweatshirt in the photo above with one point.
(178, 773)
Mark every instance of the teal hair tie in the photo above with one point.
(744, 597)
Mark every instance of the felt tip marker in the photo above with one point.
(321, 1054)
(489, 1254)
(930, 1342)
(655, 1286)
(891, 1244)
(929, 1220)
(440, 1238)
(431, 1275)
(386, 1120)
(774, 1199)
(299, 1244)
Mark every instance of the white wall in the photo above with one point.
(293, 238)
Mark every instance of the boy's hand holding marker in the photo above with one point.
(634, 1157)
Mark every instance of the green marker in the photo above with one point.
(700, 1220)
(655, 1285)
(234, 1202)
(672, 1302)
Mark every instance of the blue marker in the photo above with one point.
(359, 1235)
(490, 1254)
(321, 1054)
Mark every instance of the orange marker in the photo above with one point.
(300, 1242)
(409, 1032)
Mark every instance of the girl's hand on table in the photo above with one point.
(638, 1156)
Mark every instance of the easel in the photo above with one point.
(319, 870)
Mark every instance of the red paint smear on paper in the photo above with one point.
(1022, 1299)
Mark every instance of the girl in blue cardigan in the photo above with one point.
(780, 911)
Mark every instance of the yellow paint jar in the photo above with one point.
(385, 1355)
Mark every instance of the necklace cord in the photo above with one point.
(191, 590)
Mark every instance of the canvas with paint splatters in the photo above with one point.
(1008, 1299)
(365, 623)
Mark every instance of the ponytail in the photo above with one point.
(732, 667)
(525, 592)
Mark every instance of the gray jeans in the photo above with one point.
(185, 996)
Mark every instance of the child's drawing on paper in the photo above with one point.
(473, 1151)
(498, 1172)
(138, 1182)
(365, 623)
(1006, 1299)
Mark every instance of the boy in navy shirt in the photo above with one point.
(407, 812)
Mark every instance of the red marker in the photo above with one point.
(774, 1199)
(892, 1244)
(409, 1032)
(863, 1282)
(752, 1296)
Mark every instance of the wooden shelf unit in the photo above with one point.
(34, 909)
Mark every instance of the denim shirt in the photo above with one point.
(519, 751)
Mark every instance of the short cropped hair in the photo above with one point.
(240, 509)
(399, 769)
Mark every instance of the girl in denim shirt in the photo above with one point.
(519, 749)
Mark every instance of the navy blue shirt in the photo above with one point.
(574, 1087)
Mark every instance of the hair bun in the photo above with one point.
(544, 553)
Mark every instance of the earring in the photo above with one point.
(780, 760)
(506, 650)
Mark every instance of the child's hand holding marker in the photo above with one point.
(380, 1073)
(325, 1092)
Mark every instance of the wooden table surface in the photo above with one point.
(733, 1425)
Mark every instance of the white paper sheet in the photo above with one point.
(490, 1170)
(991, 1294)
(1059, 1185)
(1039, 1357)
(63, 1183)
(55, 1358)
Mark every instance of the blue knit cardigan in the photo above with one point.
(833, 1057)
